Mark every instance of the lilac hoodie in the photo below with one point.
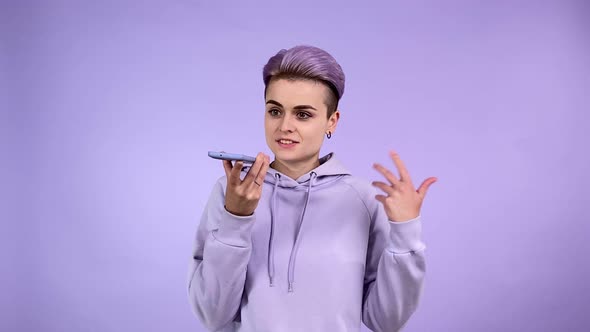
(318, 254)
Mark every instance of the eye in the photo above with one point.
(274, 112)
(303, 115)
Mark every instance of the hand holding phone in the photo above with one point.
(242, 195)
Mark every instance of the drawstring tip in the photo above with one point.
(290, 287)
(271, 284)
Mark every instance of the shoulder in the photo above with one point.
(218, 188)
(221, 181)
(360, 185)
(364, 189)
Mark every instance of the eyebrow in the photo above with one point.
(298, 107)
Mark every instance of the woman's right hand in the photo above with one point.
(242, 196)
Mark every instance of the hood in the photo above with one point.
(329, 170)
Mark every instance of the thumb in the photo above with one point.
(425, 185)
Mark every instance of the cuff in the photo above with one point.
(406, 236)
(235, 230)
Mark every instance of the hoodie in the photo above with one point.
(318, 254)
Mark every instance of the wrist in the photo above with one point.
(238, 213)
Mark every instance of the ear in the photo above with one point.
(333, 121)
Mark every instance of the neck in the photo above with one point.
(295, 170)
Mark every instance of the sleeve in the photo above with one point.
(394, 272)
(217, 270)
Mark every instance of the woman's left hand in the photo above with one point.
(402, 201)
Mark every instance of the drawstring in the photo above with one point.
(273, 212)
(297, 239)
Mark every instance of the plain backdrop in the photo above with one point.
(109, 107)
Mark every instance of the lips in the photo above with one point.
(286, 143)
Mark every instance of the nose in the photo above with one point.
(286, 124)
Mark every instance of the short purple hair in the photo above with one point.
(307, 63)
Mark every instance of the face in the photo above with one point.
(296, 120)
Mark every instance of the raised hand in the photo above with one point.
(242, 196)
(402, 201)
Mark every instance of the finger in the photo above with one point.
(253, 172)
(235, 173)
(425, 185)
(383, 186)
(227, 167)
(262, 172)
(387, 174)
(381, 198)
(404, 175)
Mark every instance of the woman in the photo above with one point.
(300, 244)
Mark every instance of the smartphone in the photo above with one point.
(231, 156)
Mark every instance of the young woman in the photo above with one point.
(300, 244)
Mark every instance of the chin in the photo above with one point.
(292, 156)
(286, 156)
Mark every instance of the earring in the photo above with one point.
(329, 135)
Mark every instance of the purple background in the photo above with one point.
(108, 110)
